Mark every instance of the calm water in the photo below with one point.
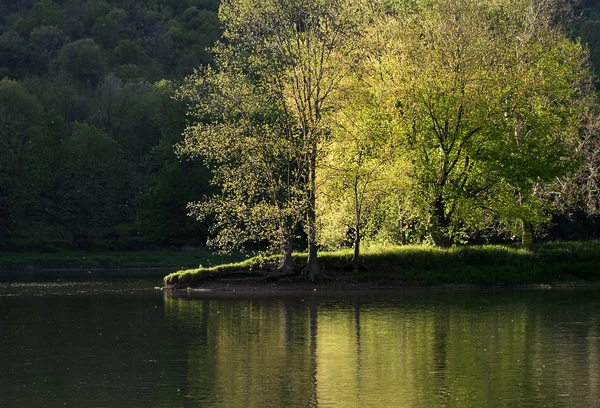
(126, 345)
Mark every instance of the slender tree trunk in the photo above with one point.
(356, 256)
(402, 233)
(526, 228)
(312, 266)
(402, 230)
(526, 233)
(357, 209)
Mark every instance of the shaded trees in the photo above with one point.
(94, 188)
(82, 61)
(20, 133)
(92, 62)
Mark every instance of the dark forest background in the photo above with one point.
(88, 121)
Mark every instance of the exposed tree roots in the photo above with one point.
(360, 267)
(281, 273)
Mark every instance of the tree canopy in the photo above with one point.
(468, 112)
(320, 123)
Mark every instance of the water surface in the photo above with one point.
(124, 344)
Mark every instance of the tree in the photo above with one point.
(43, 13)
(45, 42)
(171, 183)
(13, 55)
(128, 52)
(488, 99)
(252, 148)
(20, 120)
(82, 61)
(294, 47)
(95, 187)
(106, 32)
(353, 177)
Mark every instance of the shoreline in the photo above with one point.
(349, 282)
(111, 260)
(33, 269)
(217, 288)
(549, 265)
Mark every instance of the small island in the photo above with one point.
(568, 264)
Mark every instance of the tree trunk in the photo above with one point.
(526, 233)
(526, 228)
(439, 231)
(287, 263)
(312, 267)
(356, 257)
(402, 233)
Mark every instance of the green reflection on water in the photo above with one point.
(124, 347)
(416, 350)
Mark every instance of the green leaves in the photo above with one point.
(434, 118)
(487, 114)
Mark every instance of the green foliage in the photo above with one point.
(485, 119)
(173, 183)
(128, 52)
(264, 113)
(43, 13)
(106, 32)
(94, 186)
(246, 139)
(20, 135)
(353, 176)
(90, 67)
(45, 43)
(92, 63)
(82, 61)
(13, 52)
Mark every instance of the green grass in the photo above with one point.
(549, 263)
(111, 260)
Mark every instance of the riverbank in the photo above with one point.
(543, 265)
(79, 260)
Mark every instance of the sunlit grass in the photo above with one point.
(426, 265)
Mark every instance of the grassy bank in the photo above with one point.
(15, 261)
(567, 262)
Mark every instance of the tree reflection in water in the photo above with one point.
(407, 350)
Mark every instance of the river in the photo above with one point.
(125, 344)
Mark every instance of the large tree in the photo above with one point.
(298, 46)
(487, 96)
(291, 51)
(254, 152)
